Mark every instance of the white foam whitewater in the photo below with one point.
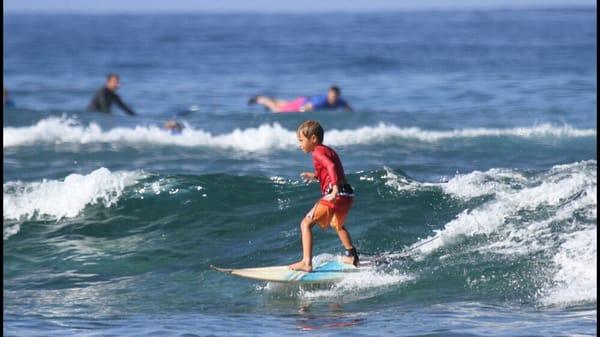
(57, 199)
(552, 213)
(266, 137)
(366, 283)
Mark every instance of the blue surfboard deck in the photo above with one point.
(331, 271)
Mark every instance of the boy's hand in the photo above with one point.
(334, 192)
(308, 177)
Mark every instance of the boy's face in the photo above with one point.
(307, 144)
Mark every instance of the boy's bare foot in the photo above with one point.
(349, 260)
(301, 266)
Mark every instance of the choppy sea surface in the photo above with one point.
(472, 150)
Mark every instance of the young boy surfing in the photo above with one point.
(333, 207)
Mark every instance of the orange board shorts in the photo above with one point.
(327, 213)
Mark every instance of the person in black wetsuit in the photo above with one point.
(106, 96)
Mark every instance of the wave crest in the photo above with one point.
(265, 137)
(550, 213)
(57, 199)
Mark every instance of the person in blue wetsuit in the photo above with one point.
(332, 100)
(106, 96)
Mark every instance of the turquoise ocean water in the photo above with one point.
(472, 150)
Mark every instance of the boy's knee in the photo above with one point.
(306, 224)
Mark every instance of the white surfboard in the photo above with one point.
(331, 271)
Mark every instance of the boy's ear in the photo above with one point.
(314, 139)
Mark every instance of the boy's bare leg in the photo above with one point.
(347, 243)
(270, 103)
(306, 263)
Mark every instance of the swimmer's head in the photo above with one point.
(310, 134)
(173, 126)
(112, 81)
(333, 94)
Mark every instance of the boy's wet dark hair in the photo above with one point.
(335, 89)
(111, 75)
(309, 128)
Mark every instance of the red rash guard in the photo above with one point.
(328, 167)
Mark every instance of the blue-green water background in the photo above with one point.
(473, 141)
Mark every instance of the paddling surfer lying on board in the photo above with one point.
(332, 100)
